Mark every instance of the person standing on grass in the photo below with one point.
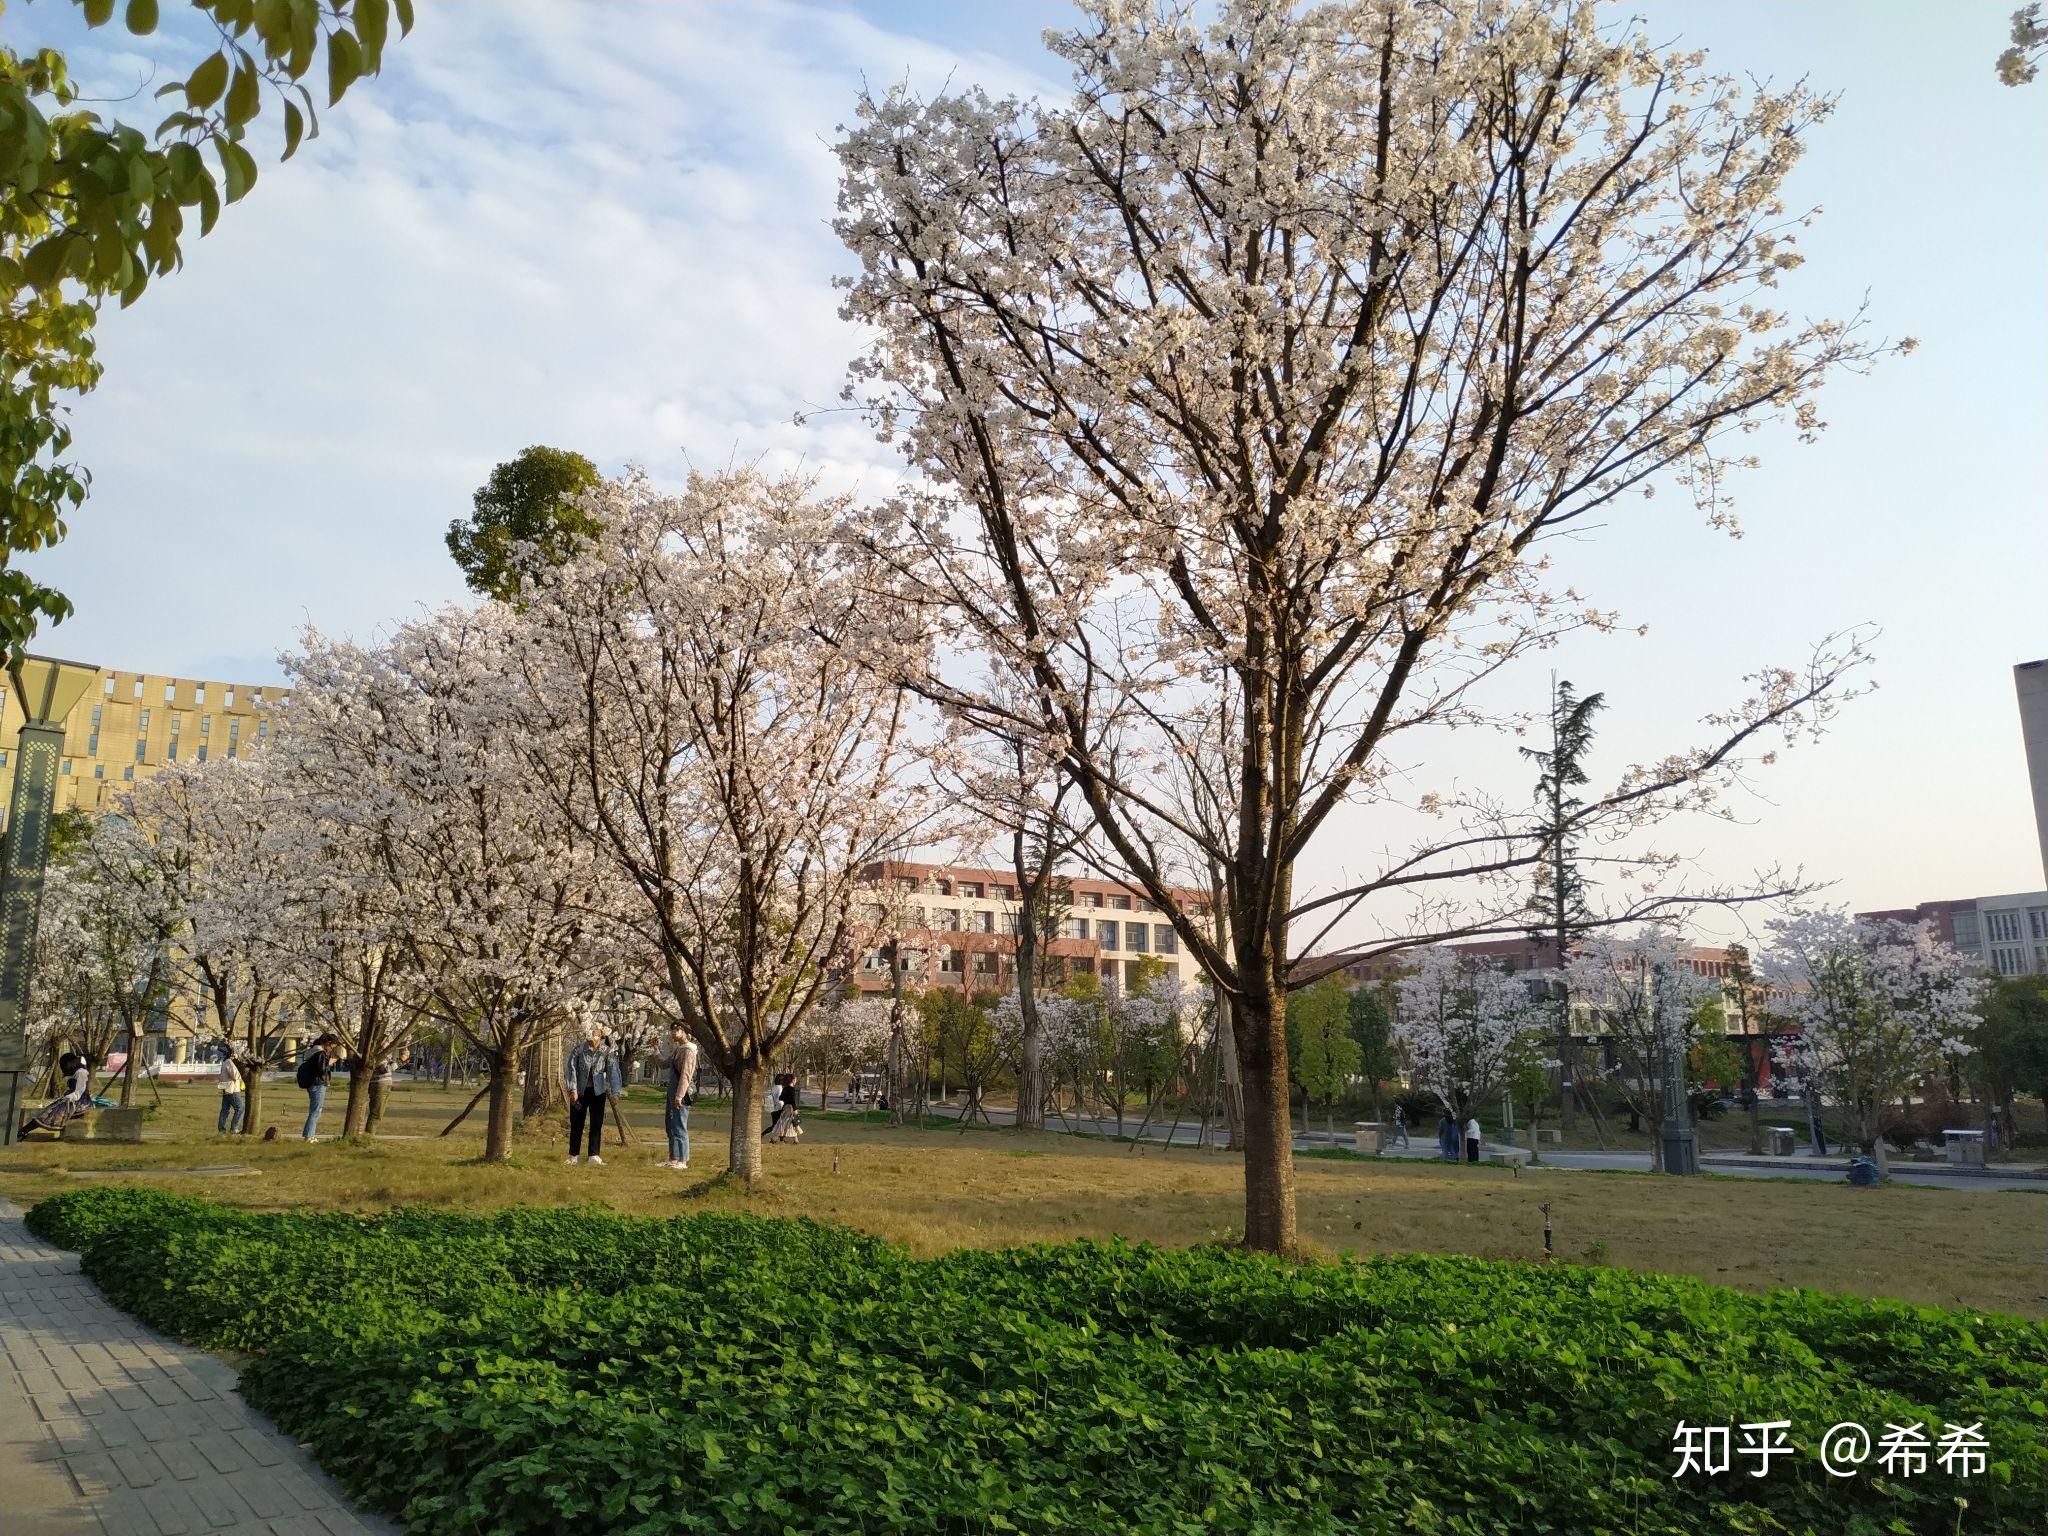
(592, 1077)
(1400, 1125)
(1446, 1137)
(1472, 1140)
(316, 1070)
(232, 1098)
(680, 1059)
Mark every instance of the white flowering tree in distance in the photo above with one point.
(1253, 383)
(739, 755)
(1644, 998)
(1880, 1006)
(1459, 1022)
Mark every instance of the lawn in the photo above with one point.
(937, 1189)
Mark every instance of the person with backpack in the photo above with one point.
(592, 1077)
(316, 1069)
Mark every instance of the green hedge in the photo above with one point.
(542, 1370)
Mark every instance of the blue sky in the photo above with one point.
(605, 226)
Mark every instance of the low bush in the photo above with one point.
(546, 1370)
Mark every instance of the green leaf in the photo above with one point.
(142, 17)
(243, 95)
(373, 20)
(238, 170)
(344, 64)
(294, 128)
(98, 12)
(203, 89)
(404, 9)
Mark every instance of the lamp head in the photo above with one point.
(48, 688)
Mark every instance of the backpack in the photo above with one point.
(309, 1069)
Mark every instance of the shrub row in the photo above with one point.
(542, 1370)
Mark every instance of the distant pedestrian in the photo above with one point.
(1447, 1137)
(784, 1125)
(316, 1070)
(1400, 1125)
(1472, 1140)
(592, 1077)
(233, 1099)
(680, 1060)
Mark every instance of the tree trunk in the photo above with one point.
(545, 1094)
(743, 1143)
(252, 1105)
(1260, 1025)
(504, 1083)
(376, 1111)
(359, 1075)
(128, 1068)
(1030, 1051)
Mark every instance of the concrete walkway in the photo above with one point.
(109, 1429)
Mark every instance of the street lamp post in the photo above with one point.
(47, 690)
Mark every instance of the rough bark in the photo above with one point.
(355, 1119)
(743, 1150)
(504, 1084)
(545, 1093)
(376, 1110)
(1260, 1025)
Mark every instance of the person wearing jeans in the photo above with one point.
(592, 1077)
(314, 1073)
(680, 1057)
(232, 1101)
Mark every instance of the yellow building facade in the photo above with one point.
(129, 724)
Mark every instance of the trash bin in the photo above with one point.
(1781, 1141)
(1365, 1137)
(1965, 1147)
(1863, 1172)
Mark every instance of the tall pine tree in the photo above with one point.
(1559, 898)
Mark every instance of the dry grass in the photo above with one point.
(939, 1189)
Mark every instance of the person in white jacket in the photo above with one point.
(233, 1096)
(1472, 1140)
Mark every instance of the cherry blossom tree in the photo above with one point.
(719, 662)
(71, 1003)
(504, 913)
(1880, 1006)
(1652, 1006)
(1270, 366)
(1459, 1021)
(129, 895)
(847, 1034)
(230, 832)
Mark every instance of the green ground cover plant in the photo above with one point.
(543, 1370)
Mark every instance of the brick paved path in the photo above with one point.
(109, 1429)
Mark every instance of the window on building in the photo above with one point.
(99, 770)
(3, 759)
(2009, 962)
(170, 691)
(984, 964)
(140, 747)
(1105, 930)
(1967, 936)
(1006, 892)
(953, 961)
(2037, 917)
(1013, 922)
(1091, 898)
(262, 731)
(205, 724)
(2003, 927)
(142, 723)
(234, 735)
(905, 883)
(1135, 937)
(1120, 903)
(96, 715)
(1164, 940)
(984, 922)
(1146, 906)
(109, 689)
(138, 688)
(128, 772)
(971, 888)
(201, 753)
(65, 767)
(875, 960)
(199, 693)
(231, 698)
(947, 919)
(1074, 928)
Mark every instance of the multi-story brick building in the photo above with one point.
(960, 926)
(2007, 935)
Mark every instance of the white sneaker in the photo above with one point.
(311, 1139)
(572, 1161)
(596, 1161)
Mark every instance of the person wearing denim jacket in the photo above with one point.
(592, 1077)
